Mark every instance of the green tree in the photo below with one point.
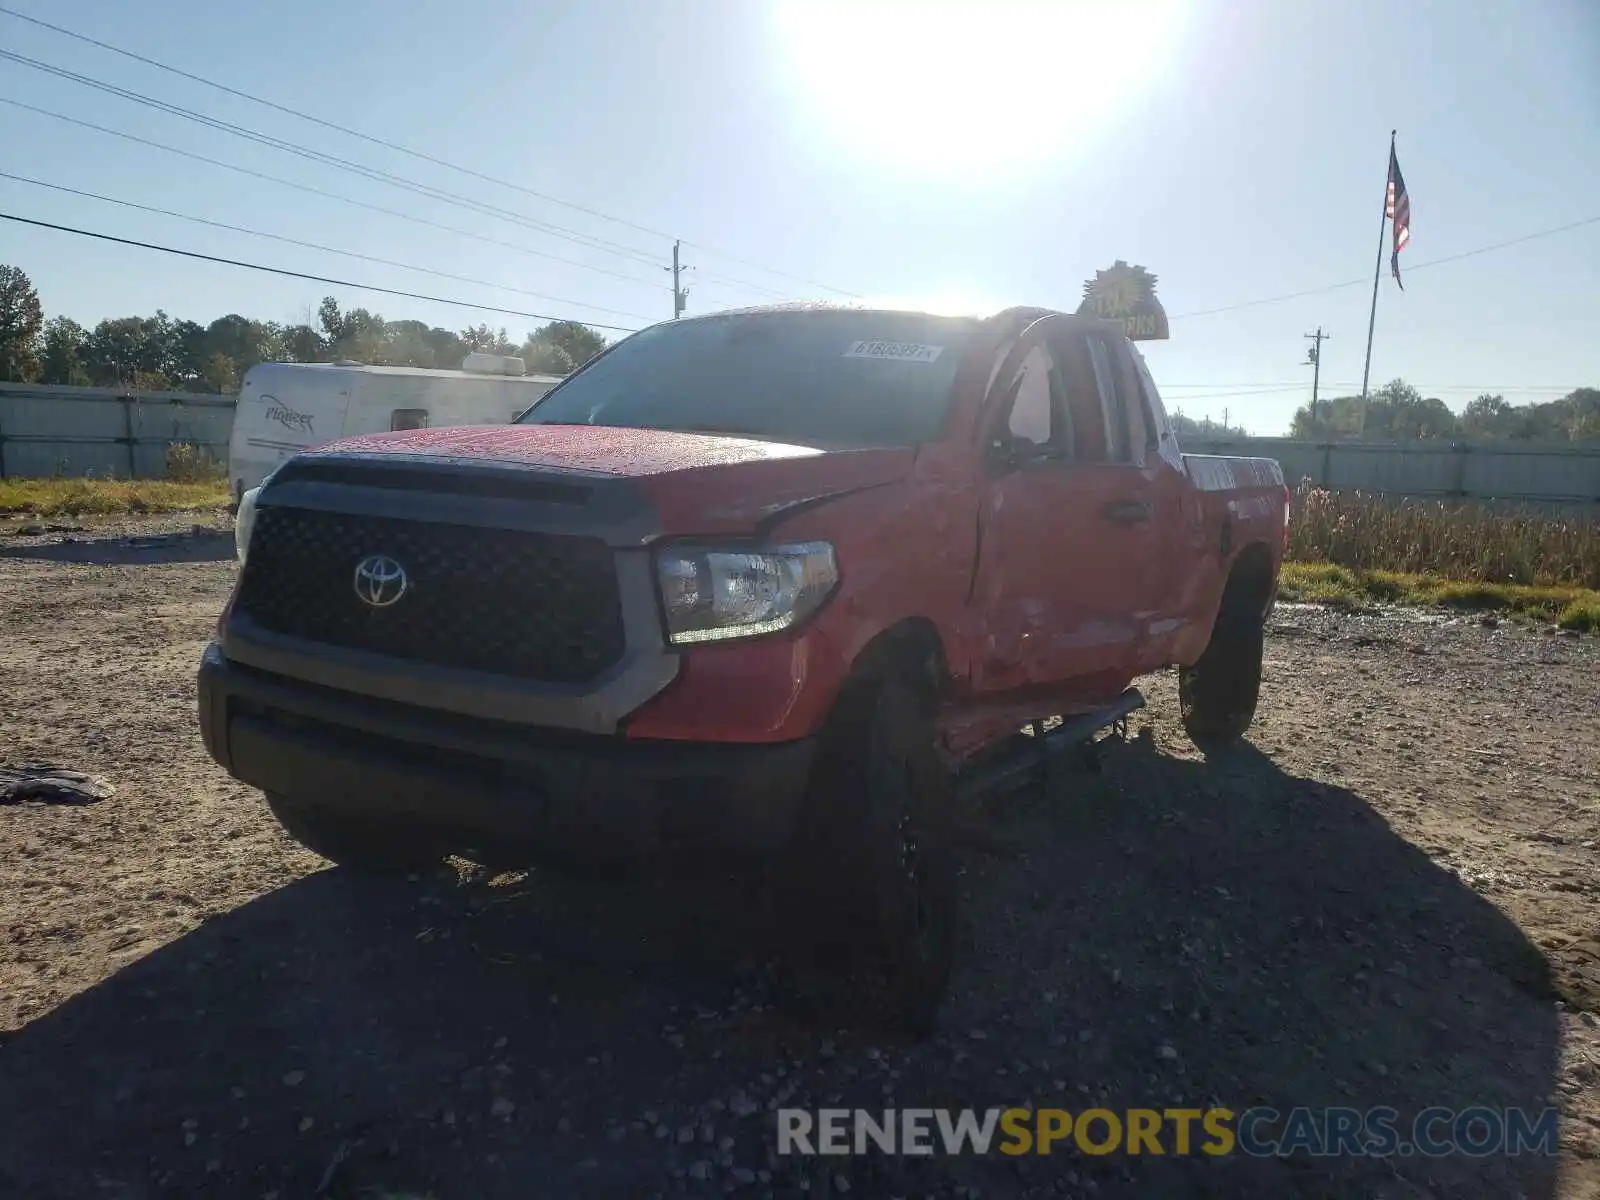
(579, 342)
(143, 352)
(302, 344)
(62, 356)
(21, 319)
(416, 344)
(358, 335)
(220, 374)
(1487, 417)
(242, 341)
(545, 358)
(1187, 427)
(1395, 412)
(487, 341)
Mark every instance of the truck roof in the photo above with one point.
(842, 306)
(1023, 311)
(429, 372)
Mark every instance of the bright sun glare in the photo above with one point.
(960, 86)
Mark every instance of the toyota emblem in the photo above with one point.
(380, 581)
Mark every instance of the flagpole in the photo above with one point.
(1377, 272)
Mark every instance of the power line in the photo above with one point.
(316, 191)
(366, 287)
(333, 160)
(1434, 262)
(372, 173)
(370, 287)
(417, 154)
(278, 237)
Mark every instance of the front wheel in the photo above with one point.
(877, 857)
(1217, 696)
(355, 846)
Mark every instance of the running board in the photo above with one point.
(1032, 759)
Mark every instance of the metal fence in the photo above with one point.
(1560, 475)
(48, 431)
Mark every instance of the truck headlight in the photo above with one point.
(711, 595)
(243, 522)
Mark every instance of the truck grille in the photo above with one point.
(534, 605)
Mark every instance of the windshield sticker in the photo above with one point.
(898, 351)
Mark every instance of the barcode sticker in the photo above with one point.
(898, 351)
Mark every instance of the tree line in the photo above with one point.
(1398, 411)
(160, 353)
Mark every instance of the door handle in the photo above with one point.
(1126, 512)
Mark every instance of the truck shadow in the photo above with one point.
(1173, 933)
(207, 545)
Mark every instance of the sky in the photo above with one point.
(957, 155)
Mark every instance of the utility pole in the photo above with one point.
(680, 294)
(1314, 357)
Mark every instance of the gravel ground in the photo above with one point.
(1388, 897)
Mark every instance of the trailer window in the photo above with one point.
(408, 418)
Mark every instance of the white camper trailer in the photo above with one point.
(287, 407)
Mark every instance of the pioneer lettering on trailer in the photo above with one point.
(280, 412)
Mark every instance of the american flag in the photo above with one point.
(1398, 209)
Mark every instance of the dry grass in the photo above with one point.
(108, 497)
(194, 480)
(1345, 587)
(1463, 542)
(188, 463)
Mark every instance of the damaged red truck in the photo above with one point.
(767, 585)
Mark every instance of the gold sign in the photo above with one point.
(1126, 294)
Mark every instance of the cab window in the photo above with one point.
(1032, 415)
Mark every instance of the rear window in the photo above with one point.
(831, 379)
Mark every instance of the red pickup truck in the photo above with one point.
(768, 584)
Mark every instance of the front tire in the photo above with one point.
(877, 864)
(355, 846)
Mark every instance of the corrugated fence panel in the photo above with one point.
(103, 431)
(1560, 473)
(1550, 473)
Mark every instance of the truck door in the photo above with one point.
(1183, 552)
(1064, 522)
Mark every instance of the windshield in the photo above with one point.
(832, 379)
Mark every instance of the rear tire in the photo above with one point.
(875, 872)
(352, 845)
(1217, 696)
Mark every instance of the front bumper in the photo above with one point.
(496, 790)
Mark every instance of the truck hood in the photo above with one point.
(699, 482)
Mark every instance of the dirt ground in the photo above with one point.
(1389, 897)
